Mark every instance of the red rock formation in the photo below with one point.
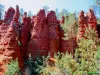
(53, 24)
(25, 35)
(10, 44)
(32, 22)
(9, 15)
(17, 14)
(9, 48)
(81, 25)
(91, 19)
(62, 49)
(7, 20)
(3, 31)
(38, 45)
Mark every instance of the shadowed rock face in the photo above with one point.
(54, 38)
(98, 30)
(38, 45)
(25, 35)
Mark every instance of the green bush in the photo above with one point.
(65, 65)
(33, 66)
(13, 68)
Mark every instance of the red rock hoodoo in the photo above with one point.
(81, 25)
(9, 48)
(54, 39)
(38, 44)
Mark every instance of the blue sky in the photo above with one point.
(35, 5)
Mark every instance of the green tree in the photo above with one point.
(69, 26)
(86, 53)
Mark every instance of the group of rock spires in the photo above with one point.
(37, 36)
(86, 21)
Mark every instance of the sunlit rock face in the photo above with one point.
(25, 34)
(81, 25)
(3, 31)
(53, 28)
(91, 19)
(9, 15)
(6, 22)
(9, 47)
(38, 45)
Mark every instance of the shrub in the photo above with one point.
(13, 68)
(33, 66)
(65, 65)
(86, 58)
